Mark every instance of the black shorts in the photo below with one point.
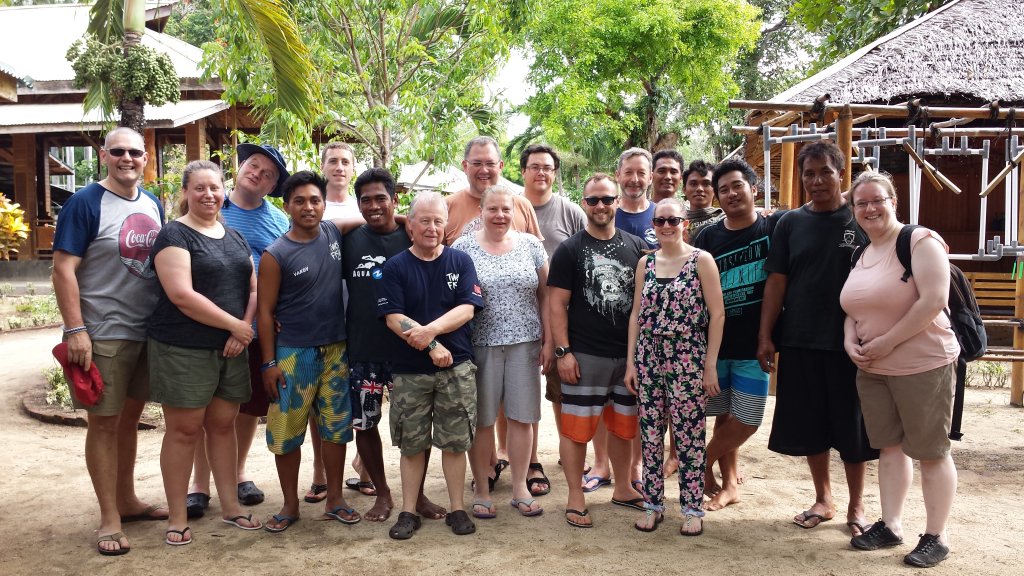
(259, 402)
(817, 407)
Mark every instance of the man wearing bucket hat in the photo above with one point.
(261, 172)
(106, 291)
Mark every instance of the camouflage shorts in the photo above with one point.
(438, 409)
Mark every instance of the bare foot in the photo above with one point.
(723, 498)
(427, 509)
(671, 466)
(856, 521)
(381, 509)
(711, 485)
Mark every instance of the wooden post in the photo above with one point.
(1017, 371)
(786, 175)
(844, 132)
(26, 188)
(195, 140)
(149, 174)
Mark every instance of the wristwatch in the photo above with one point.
(561, 351)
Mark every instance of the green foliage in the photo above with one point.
(194, 22)
(848, 26)
(38, 310)
(625, 72)
(58, 393)
(987, 374)
(13, 229)
(138, 73)
(6, 289)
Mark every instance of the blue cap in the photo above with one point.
(247, 150)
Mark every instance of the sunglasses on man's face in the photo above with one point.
(119, 152)
(606, 200)
(671, 221)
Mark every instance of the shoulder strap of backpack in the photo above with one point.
(857, 253)
(903, 249)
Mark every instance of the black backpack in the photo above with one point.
(961, 308)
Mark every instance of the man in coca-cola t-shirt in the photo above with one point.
(106, 291)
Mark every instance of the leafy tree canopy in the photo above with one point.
(847, 26)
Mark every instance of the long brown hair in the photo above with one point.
(193, 167)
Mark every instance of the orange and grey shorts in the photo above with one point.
(599, 393)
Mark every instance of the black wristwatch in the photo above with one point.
(561, 351)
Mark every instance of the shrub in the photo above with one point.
(57, 391)
(987, 374)
(13, 230)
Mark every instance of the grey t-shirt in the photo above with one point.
(309, 299)
(559, 219)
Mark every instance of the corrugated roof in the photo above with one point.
(26, 118)
(971, 48)
(34, 40)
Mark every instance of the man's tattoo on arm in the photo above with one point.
(407, 324)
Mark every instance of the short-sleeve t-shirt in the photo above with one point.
(740, 256)
(363, 255)
(114, 237)
(702, 218)
(638, 224)
(464, 216)
(424, 291)
(309, 296)
(509, 283)
(813, 250)
(600, 274)
(347, 209)
(259, 226)
(559, 219)
(221, 271)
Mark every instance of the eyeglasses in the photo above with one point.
(606, 200)
(119, 152)
(478, 164)
(541, 169)
(863, 204)
(672, 221)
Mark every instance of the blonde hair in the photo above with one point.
(882, 179)
(496, 189)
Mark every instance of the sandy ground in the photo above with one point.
(48, 513)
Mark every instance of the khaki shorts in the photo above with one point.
(125, 370)
(191, 377)
(434, 409)
(911, 411)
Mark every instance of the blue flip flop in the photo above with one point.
(281, 518)
(353, 518)
(601, 482)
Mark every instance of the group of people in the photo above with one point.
(643, 313)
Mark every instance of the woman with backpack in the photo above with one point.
(901, 340)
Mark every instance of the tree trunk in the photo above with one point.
(133, 113)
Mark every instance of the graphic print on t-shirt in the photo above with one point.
(608, 286)
(135, 241)
(742, 271)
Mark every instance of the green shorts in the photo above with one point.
(191, 377)
(434, 409)
(125, 370)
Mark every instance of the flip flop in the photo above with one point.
(365, 487)
(487, 505)
(353, 516)
(635, 503)
(582, 514)
(196, 504)
(601, 481)
(528, 502)
(531, 482)
(281, 518)
(638, 486)
(184, 541)
(860, 526)
(115, 537)
(807, 516)
(145, 515)
(234, 522)
(657, 521)
(317, 493)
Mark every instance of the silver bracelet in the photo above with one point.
(76, 330)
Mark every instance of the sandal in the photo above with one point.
(234, 521)
(249, 494)
(115, 537)
(351, 516)
(531, 482)
(487, 506)
(686, 525)
(460, 523)
(582, 514)
(408, 523)
(365, 487)
(657, 521)
(196, 504)
(181, 532)
(317, 493)
(528, 502)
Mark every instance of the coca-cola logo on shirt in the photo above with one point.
(138, 232)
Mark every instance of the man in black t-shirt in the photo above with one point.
(591, 285)
(740, 245)
(428, 294)
(816, 406)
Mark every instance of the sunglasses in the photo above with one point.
(671, 221)
(606, 200)
(119, 152)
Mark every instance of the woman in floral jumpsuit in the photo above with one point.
(674, 335)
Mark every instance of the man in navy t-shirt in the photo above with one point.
(428, 294)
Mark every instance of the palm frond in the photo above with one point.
(106, 20)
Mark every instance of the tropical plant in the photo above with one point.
(13, 229)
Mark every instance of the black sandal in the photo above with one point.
(314, 494)
(408, 523)
(531, 482)
(460, 522)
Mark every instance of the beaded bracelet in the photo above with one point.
(268, 365)
(76, 330)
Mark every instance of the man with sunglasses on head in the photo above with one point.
(106, 291)
(261, 172)
(591, 297)
(739, 243)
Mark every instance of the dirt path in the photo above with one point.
(48, 512)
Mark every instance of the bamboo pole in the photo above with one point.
(881, 110)
(786, 174)
(896, 132)
(844, 134)
(1017, 372)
